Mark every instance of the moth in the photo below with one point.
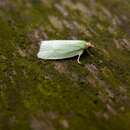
(61, 49)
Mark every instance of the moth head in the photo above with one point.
(89, 45)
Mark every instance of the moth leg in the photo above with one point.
(78, 60)
(89, 53)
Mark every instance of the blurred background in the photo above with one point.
(56, 95)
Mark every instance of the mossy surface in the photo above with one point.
(55, 95)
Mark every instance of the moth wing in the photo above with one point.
(59, 50)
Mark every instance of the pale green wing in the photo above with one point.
(60, 49)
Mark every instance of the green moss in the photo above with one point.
(93, 96)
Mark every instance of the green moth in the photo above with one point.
(61, 49)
